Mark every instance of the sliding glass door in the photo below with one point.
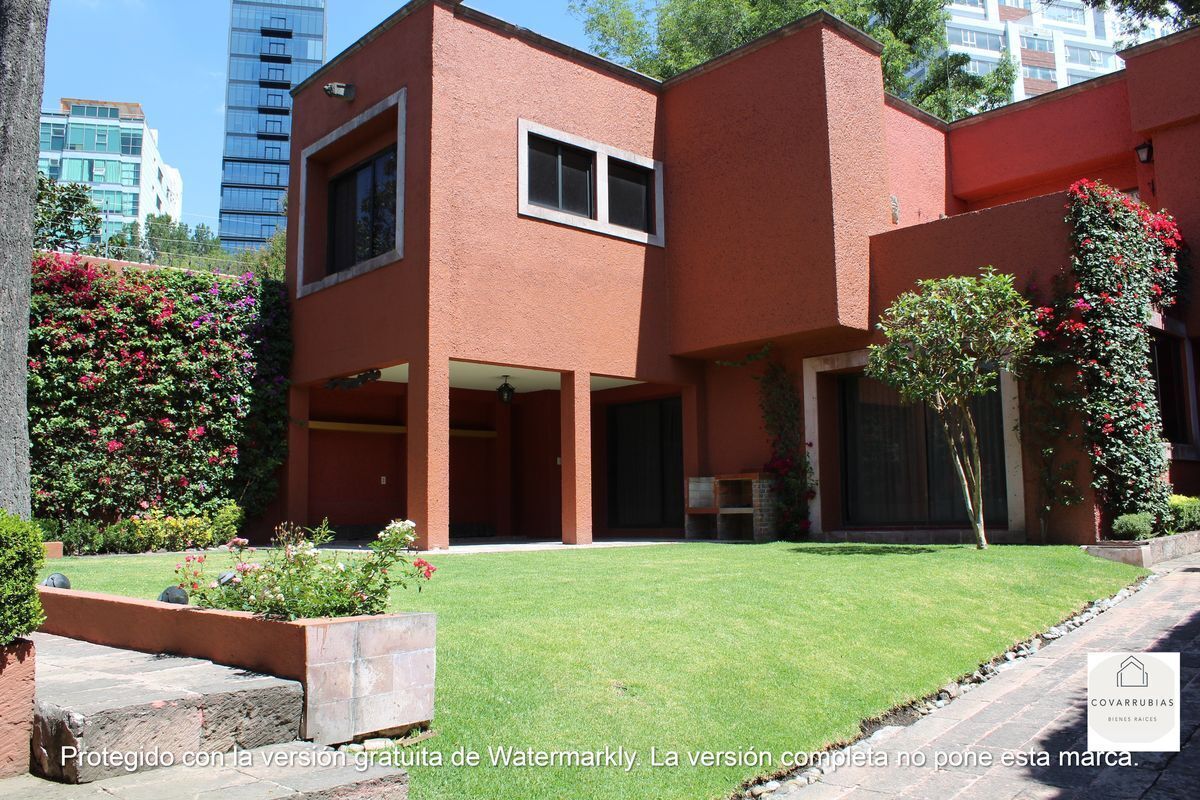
(896, 465)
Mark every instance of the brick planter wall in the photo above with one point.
(16, 706)
(1147, 552)
(361, 675)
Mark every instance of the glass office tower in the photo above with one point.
(273, 45)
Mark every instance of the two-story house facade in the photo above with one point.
(476, 208)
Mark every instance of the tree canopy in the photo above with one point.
(65, 218)
(667, 37)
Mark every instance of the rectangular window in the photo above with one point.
(1038, 73)
(560, 176)
(1061, 13)
(1036, 43)
(1167, 367)
(630, 195)
(362, 212)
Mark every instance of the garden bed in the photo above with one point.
(362, 675)
(1147, 552)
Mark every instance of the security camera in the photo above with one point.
(343, 90)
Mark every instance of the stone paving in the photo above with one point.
(98, 698)
(297, 770)
(1039, 705)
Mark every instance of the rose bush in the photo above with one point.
(295, 579)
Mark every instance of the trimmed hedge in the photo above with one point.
(149, 532)
(1133, 526)
(1183, 514)
(160, 390)
(21, 556)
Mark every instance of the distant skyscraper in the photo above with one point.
(108, 146)
(273, 45)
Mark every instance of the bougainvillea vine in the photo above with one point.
(1123, 266)
(162, 389)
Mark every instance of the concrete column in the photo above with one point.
(576, 420)
(429, 450)
(503, 470)
(296, 490)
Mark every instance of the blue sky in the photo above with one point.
(170, 56)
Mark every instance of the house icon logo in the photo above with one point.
(1132, 674)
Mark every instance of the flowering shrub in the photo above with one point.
(293, 580)
(159, 390)
(795, 484)
(1123, 265)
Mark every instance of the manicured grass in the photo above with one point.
(695, 647)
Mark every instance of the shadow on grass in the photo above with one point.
(864, 550)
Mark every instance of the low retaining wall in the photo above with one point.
(16, 706)
(1147, 552)
(361, 675)
(53, 549)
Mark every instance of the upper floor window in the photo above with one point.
(362, 212)
(1061, 13)
(1038, 73)
(1036, 43)
(585, 184)
(561, 176)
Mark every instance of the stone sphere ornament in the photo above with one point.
(57, 580)
(173, 594)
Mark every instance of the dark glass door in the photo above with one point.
(645, 464)
(896, 464)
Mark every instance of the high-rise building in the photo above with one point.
(273, 45)
(108, 146)
(1055, 43)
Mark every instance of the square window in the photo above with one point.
(560, 176)
(630, 199)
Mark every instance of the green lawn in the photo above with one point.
(689, 647)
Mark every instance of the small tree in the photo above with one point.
(945, 345)
(67, 220)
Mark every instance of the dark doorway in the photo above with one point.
(896, 465)
(645, 464)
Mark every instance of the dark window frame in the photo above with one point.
(348, 177)
(648, 174)
(561, 148)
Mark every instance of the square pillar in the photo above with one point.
(428, 451)
(296, 487)
(576, 421)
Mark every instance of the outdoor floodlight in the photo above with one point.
(173, 594)
(57, 581)
(342, 91)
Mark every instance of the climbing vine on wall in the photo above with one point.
(782, 410)
(1123, 265)
(158, 390)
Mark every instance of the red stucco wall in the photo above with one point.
(17, 673)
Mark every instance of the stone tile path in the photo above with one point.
(1039, 705)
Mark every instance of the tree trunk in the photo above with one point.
(22, 64)
(964, 452)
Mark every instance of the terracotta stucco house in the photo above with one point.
(484, 204)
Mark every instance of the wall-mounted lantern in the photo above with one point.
(1145, 152)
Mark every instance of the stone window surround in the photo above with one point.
(600, 223)
(856, 360)
(397, 100)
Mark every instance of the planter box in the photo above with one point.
(1147, 552)
(53, 549)
(361, 675)
(16, 706)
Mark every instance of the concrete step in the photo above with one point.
(298, 770)
(99, 708)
